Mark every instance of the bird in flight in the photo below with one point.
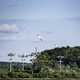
(39, 37)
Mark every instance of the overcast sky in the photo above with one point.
(57, 22)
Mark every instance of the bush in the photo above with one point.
(19, 75)
(12, 75)
(3, 76)
(24, 75)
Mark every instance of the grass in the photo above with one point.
(40, 79)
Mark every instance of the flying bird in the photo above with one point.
(39, 37)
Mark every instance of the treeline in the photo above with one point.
(69, 56)
(60, 62)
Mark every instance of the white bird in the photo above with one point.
(39, 37)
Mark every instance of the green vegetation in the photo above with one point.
(47, 65)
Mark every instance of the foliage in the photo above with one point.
(49, 62)
(18, 75)
(46, 65)
(50, 57)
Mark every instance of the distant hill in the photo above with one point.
(70, 56)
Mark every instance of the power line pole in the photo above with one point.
(11, 58)
(60, 62)
(22, 59)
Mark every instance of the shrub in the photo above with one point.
(18, 75)
(11, 75)
(3, 76)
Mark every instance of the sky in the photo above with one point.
(24, 22)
